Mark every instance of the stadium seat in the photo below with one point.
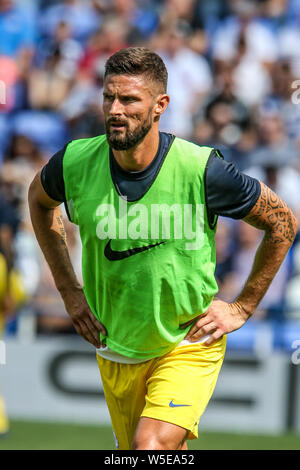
(46, 129)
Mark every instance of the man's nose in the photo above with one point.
(116, 107)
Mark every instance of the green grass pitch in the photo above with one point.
(57, 436)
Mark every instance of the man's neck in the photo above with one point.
(139, 157)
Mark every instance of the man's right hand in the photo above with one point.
(47, 222)
(82, 317)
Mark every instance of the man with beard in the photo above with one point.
(146, 203)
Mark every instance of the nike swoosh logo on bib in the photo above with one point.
(113, 255)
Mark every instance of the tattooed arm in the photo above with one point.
(49, 229)
(271, 214)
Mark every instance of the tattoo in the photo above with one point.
(62, 231)
(272, 214)
(63, 234)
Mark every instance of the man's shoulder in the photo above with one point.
(82, 151)
(193, 147)
(190, 156)
(82, 148)
(87, 141)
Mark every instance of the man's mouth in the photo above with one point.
(117, 126)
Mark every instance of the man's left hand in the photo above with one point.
(220, 318)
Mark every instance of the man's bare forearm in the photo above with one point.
(273, 216)
(50, 232)
(276, 218)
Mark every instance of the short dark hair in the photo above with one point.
(138, 61)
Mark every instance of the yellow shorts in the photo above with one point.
(186, 377)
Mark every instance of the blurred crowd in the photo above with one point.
(234, 82)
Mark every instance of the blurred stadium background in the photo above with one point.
(234, 81)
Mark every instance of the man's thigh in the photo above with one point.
(181, 385)
(153, 434)
(124, 387)
(173, 389)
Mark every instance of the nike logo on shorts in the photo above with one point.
(172, 405)
(113, 255)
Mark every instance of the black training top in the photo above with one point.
(229, 192)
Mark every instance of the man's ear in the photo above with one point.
(161, 105)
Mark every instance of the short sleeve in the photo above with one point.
(229, 192)
(52, 177)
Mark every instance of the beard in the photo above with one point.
(131, 138)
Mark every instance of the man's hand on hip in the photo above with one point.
(82, 317)
(220, 318)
